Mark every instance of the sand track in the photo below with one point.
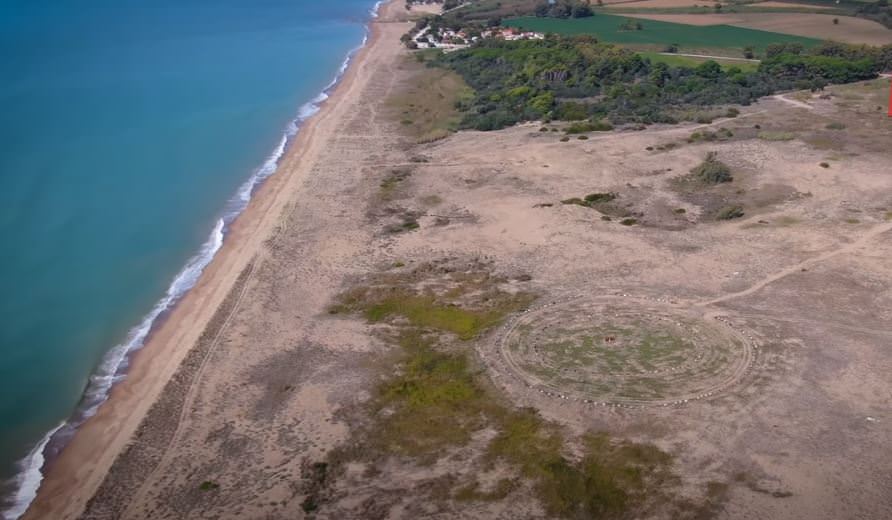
(801, 266)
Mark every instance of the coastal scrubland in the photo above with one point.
(661, 320)
(579, 78)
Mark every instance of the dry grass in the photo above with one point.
(426, 105)
(434, 403)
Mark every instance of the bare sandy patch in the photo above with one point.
(431, 8)
(821, 26)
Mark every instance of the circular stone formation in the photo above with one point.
(624, 351)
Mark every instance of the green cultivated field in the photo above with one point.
(607, 28)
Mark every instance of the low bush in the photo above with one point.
(729, 213)
(712, 170)
(589, 126)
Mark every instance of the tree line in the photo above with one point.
(580, 78)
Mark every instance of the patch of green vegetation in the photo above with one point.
(597, 198)
(607, 28)
(208, 485)
(767, 135)
(824, 165)
(888, 215)
(722, 134)
(315, 480)
(629, 221)
(835, 126)
(712, 170)
(409, 223)
(434, 403)
(429, 105)
(729, 213)
(591, 200)
(852, 221)
(424, 311)
(581, 78)
(609, 477)
(679, 211)
(588, 126)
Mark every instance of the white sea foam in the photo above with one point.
(113, 366)
(29, 478)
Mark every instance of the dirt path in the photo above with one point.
(867, 237)
(793, 102)
(708, 56)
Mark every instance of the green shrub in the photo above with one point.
(835, 126)
(729, 213)
(712, 171)
(597, 198)
(591, 200)
(208, 485)
(629, 221)
(589, 126)
(722, 134)
(824, 165)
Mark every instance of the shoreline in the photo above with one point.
(101, 431)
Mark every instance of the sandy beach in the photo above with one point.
(265, 394)
(176, 354)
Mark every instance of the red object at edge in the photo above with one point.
(890, 97)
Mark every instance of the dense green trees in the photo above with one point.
(580, 78)
(563, 9)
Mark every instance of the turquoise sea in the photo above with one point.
(132, 132)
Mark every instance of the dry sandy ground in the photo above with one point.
(848, 30)
(427, 8)
(804, 276)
